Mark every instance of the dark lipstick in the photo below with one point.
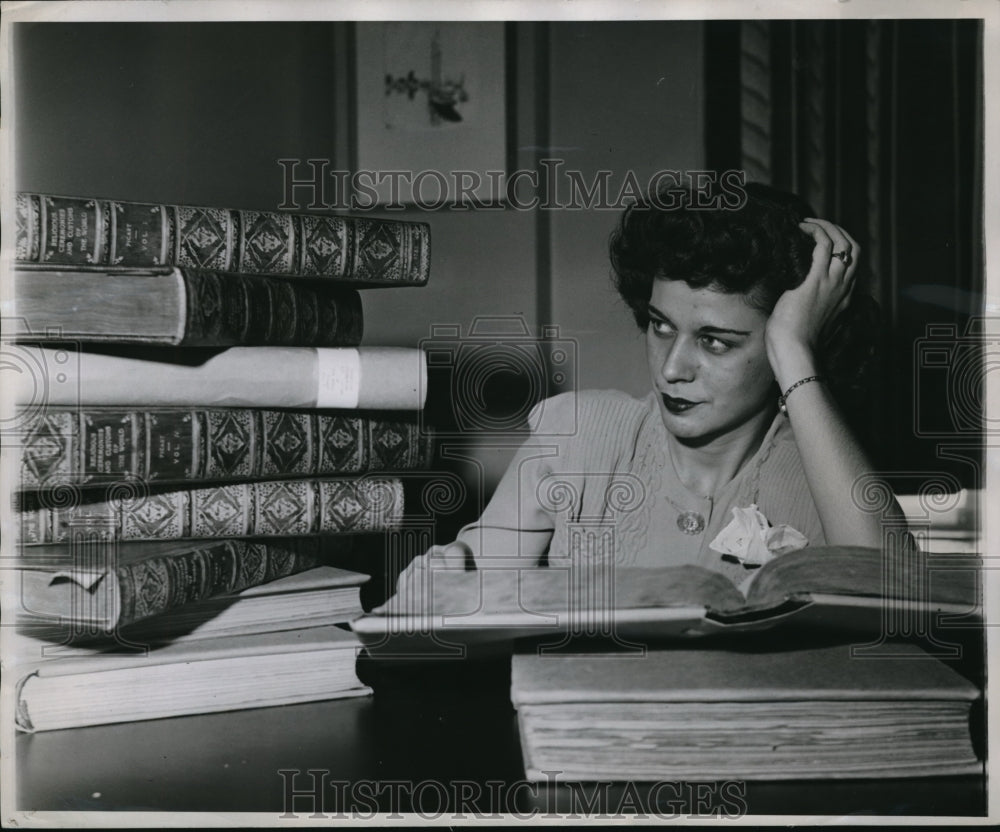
(676, 405)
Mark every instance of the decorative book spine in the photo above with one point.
(225, 310)
(188, 307)
(158, 584)
(88, 232)
(178, 445)
(283, 508)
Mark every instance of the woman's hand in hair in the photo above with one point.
(801, 314)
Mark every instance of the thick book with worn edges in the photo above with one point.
(185, 307)
(367, 378)
(318, 596)
(850, 588)
(754, 714)
(99, 587)
(273, 508)
(186, 445)
(69, 687)
(86, 232)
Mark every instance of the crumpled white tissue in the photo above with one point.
(753, 541)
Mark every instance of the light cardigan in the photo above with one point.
(596, 473)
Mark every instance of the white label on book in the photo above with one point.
(338, 377)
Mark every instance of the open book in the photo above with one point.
(840, 587)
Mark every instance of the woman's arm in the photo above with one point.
(513, 524)
(831, 456)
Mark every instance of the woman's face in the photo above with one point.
(707, 360)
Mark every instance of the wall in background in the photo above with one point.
(173, 112)
(625, 98)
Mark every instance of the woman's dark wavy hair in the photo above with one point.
(756, 250)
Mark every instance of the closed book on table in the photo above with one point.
(59, 687)
(278, 508)
(86, 232)
(189, 445)
(185, 307)
(712, 714)
(95, 587)
(369, 378)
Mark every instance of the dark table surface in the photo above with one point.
(437, 737)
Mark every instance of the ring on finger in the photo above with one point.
(844, 257)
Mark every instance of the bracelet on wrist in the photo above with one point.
(783, 398)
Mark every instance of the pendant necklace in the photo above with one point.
(688, 521)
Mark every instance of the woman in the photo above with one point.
(739, 452)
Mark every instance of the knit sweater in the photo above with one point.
(596, 472)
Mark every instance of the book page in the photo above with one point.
(548, 589)
(868, 572)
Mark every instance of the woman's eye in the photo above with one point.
(715, 345)
(660, 327)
